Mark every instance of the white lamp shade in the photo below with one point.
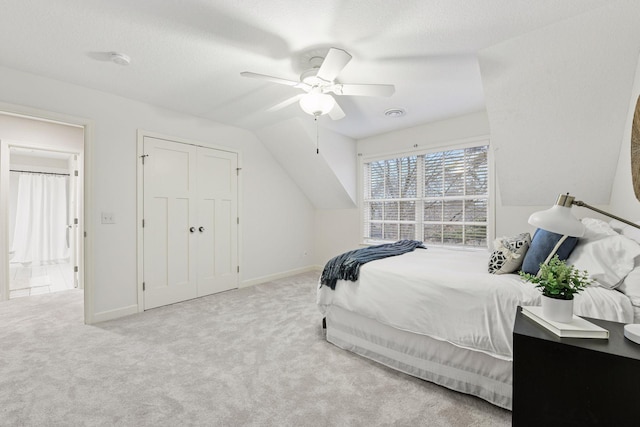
(557, 219)
(317, 104)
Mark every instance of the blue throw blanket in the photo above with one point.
(347, 265)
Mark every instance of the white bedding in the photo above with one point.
(469, 308)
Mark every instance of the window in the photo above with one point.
(439, 198)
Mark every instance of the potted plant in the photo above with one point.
(558, 282)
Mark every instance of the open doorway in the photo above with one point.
(41, 172)
(43, 221)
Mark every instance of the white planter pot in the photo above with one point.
(559, 310)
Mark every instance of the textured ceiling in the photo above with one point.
(187, 55)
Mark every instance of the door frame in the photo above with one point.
(85, 249)
(141, 134)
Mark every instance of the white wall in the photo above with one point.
(277, 219)
(557, 100)
(340, 230)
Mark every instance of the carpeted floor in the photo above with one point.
(250, 357)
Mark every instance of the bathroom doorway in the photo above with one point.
(43, 221)
(42, 173)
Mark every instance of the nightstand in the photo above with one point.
(574, 381)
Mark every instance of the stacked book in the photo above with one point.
(577, 328)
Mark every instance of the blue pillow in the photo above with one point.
(542, 247)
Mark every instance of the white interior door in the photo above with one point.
(217, 221)
(169, 222)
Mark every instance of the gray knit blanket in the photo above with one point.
(347, 265)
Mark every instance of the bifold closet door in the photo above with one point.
(190, 221)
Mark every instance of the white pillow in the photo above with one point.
(626, 230)
(630, 286)
(617, 225)
(596, 229)
(608, 259)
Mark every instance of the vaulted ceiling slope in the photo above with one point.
(188, 55)
(557, 101)
(324, 169)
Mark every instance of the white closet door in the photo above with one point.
(217, 221)
(169, 213)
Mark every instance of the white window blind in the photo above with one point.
(439, 198)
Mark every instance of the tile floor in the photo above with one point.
(27, 279)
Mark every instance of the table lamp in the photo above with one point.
(558, 219)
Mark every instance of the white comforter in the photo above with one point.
(448, 295)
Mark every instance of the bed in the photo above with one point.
(437, 314)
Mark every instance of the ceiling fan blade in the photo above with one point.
(333, 63)
(285, 103)
(363, 90)
(269, 78)
(336, 112)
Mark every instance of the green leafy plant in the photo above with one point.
(558, 280)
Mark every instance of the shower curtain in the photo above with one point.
(40, 234)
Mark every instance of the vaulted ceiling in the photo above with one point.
(187, 55)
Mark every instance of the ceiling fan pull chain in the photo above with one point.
(317, 139)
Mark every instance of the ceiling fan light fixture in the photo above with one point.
(317, 104)
(319, 79)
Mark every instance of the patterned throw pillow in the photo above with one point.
(509, 253)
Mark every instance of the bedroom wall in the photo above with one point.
(557, 101)
(339, 230)
(277, 226)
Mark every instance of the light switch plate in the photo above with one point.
(108, 218)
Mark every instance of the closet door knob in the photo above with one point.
(192, 229)
(201, 229)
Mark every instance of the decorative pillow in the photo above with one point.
(544, 246)
(508, 253)
(608, 259)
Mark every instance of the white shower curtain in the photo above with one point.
(40, 234)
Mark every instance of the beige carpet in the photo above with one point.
(250, 357)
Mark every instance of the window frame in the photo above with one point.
(421, 151)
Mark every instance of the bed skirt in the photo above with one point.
(440, 362)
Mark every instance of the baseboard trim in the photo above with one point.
(114, 314)
(270, 277)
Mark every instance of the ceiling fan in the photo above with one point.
(319, 81)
